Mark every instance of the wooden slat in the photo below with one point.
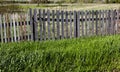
(14, 28)
(96, 22)
(66, 15)
(1, 29)
(27, 19)
(17, 20)
(31, 24)
(11, 31)
(82, 23)
(70, 24)
(78, 23)
(89, 23)
(5, 37)
(117, 29)
(58, 25)
(44, 25)
(48, 22)
(53, 23)
(35, 25)
(62, 23)
(109, 22)
(86, 25)
(92, 22)
(75, 24)
(102, 23)
(41, 25)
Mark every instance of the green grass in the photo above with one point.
(68, 55)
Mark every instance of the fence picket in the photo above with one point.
(44, 25)
(70, 24)
(62, 23)
(96, 13)
(66, 15)
(75, 24)
(5, 37)
(58, 24)
(31, 24)
(53, 22)
(1, 29)
(41, 26)
(48, 22)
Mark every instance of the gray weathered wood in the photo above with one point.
(78, 23)
(66, 15)
(92, 22)
(58, 24)
(86, 25)
(1, 29)
(35, 24)
(82, 23)
(96, 13)
(44, 24)
(5, 37)
(70, 24)
(41, 25)
(109, 22)
(53, 23)
(31, 24)
(118, 21)
(18, 33)
(48, 22)
(75, 23)
(62, 23)
(27, 19)
(103, 24)
(14, 28)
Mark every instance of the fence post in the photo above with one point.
(35, 33)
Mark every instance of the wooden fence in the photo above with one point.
(41, 24)
(55, 24)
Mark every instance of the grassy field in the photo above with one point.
(72, 55)
(76, 6)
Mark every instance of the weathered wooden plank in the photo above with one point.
(75, 24)
(58, 24)
(44, 24)
(102, 23)
(5, 37)
(70, 24)
(82, 23)
(31, 24)
(27, 19)
(117, 22)
(106, 21)
(86, 25)
(11, 31)
(62, 23)
(53, 22)
(41, 25)
(48, 22)
(89, 23)
(96, 13)
(1, 29)
(92, 22)
(66, 16)
(14, 28)
(78, 23)
(109, 22)
(35, 25)
(18, 35)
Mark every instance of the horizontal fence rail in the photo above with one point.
(41, 24)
